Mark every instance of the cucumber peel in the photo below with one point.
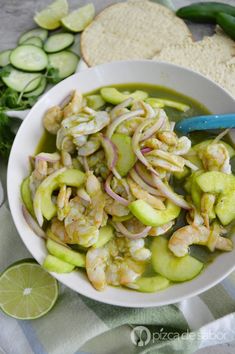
(26, 195)
(54, 264)
(105, 235)
(126, 157)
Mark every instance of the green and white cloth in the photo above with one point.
(68, 328)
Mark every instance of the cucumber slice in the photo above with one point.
(75, 48)
(225, 208)
(36, 32)
(26, 195)
(174, 268)
(153, 217)
(126, 156)
(150, 284)
(34, 41)
(5, 57)
(39, 90)
(174, 104)
(204, 144)
(95, 101)
(66, 62)
(79, 19)
(58, 42)
(112, 95)
(54, 264)
(49, 18)
(216, 182)
(105, 235)
(183, 174)
(65, 254)
(19, 80)
(154, 102)
(195, 190)
(29, 58)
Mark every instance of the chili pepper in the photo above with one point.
(227, 23)
(205, 11)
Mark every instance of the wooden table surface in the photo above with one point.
(16, 16)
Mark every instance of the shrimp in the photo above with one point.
(185, 236)
(168, 137)
(140, 193)
(216, 241)
(91, 146)
(119, 262)
(128, 127)
(207, 207)
(38, 175)
(215, 157)
(161, 230)
(74, 106)
(152, 143)
(112, 207)
(52, 119)
(63, 202)
(85, 218)
(182, 147)
(58, 230)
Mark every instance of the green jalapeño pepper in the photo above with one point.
(205, 11)
(227, 23)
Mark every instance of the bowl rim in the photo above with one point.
(127, 303)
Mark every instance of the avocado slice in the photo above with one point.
(126, 156)
(112, 95)
(203, 145)
(105, 235)
(225, 207)
(216, 182)
(153, 217)
(26, 195)
(71, 177)
(174, 268)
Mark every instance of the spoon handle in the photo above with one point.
(215, 121)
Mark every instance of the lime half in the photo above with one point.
(79, 19)
(27, 291)
(50, 17)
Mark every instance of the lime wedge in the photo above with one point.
(50, 17)
(79, 19)
(27, 291)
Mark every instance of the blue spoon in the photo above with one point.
(214, 121)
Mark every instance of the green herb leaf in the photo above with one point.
(53, 75)
(5, 71)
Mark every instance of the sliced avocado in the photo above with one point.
(26, 195)
(225, 207)
(54, 264)
(95, 101)
(70, 177)
(216, 182)
(126, 156)
(112, 95)
(65, 254)
(203, 145)
(151, 284)
(105, 235)
(174, 268)
(153, 217)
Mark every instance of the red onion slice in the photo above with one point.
(32, 223)
(155, 127)
(122, 229)
(144, 175)
(146, 150)
(136, 177)
(112, 194)
(111, 154)
(112, 127)
(52, 158)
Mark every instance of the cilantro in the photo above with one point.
(5, 71)
(6, 135)
(52, 75)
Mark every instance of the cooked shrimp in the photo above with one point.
(140, 193)
(74, 106)
(91, 146)
(185, 236)
(182, 147)
(215, 157)
(63, 202)
(96, 263)
(216, 241)
(161, 230)
(168, 137)
(166, 160)
(112, 207)
(207, 207)
(52, 119)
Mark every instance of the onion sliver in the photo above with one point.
(112, 127)
(52, 158)
(155, 127)
(121, 228)
(112, 194)
(111, 154)
(136, 177)
(168, 193)
(121, 105)
(32, 223)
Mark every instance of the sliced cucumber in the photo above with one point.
(183, 174)
(29, 58)
(58, 42)
(36, 32)
(65, 254)
(39, 90)
(174, 268)
(54, 264)
(216, 182)
(34, 41)
(5, 57)
(174, 104)
(126, 156)
(196, 192)
(150, 284)
(75, 48)
(225, 207)
(105, 235)
(203, 145)
(112, 95)
(66, 62)
(19, 80)
(95, 101)
(26, 195)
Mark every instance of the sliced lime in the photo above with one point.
(27, 291)
(50, 17)
(79, 19)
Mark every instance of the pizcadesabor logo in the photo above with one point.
(140, 336)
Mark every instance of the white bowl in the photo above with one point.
(179, 79)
